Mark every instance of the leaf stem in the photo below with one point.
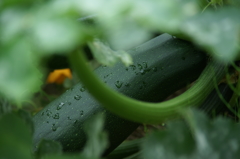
(139, 111)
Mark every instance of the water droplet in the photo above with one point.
(154, 69)
(126, 69)
(47, 121)
(81, 112)
(183, 58)
(105, 76)
(145, 64)
(140, 66)
(147, 70)
(56, 116)
(75, 121)
(142, 72)
(54, 128)
(136, 73)
(133, 67)
(69, 118)
(69, 103)
(42, 113)
(127, 84)
(49, 114)
(82, 89)
(60, 105)
(70, 89)
(118, 84)
(77, 97)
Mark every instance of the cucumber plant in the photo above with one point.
(157, 64)
(128, 96)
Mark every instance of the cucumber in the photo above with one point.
(161, 66)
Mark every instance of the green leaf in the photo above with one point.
(217, 139)
(15, 138)
(48, 147)
(173, 143)
(216, 31)
(19, 75)
(106, 56)
(66, 156)
(97, 138)
(55, 35)
(128, 23)
(5, 106)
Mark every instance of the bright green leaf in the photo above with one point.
(216, 31)
(174, 143)
(15, 138)
(69, 156)
(5, 106)
(217, 139)
(19, 75)
(96, 138)
(48, 147)
(106, 56)
(55, 35)
(127, 23)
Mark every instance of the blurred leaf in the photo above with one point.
(106, 56)
(13, 3)
(5, 106)
(27, 118)
(48, 148)
(174, 143)
(15, 138)
(96, 138)
(69, 156)
(232, 2)
(13, 25)
(19, 75)
(128, 23)
(55, 35)
(216, 31)
(218, 139)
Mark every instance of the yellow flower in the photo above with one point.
(58, 76)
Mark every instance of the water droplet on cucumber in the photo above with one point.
(133, 67)
(82, 89)
(81, 112)
(77, 97)
(60, 105)
(145, 64)
(118, 84)
(140, 66)
(154, 69)
(54, 128)
(127, 84)
(56, 116)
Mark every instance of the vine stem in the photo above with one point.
(145, 112)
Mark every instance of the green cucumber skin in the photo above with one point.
(161, 66)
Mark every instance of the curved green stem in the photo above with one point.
(140, 111)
